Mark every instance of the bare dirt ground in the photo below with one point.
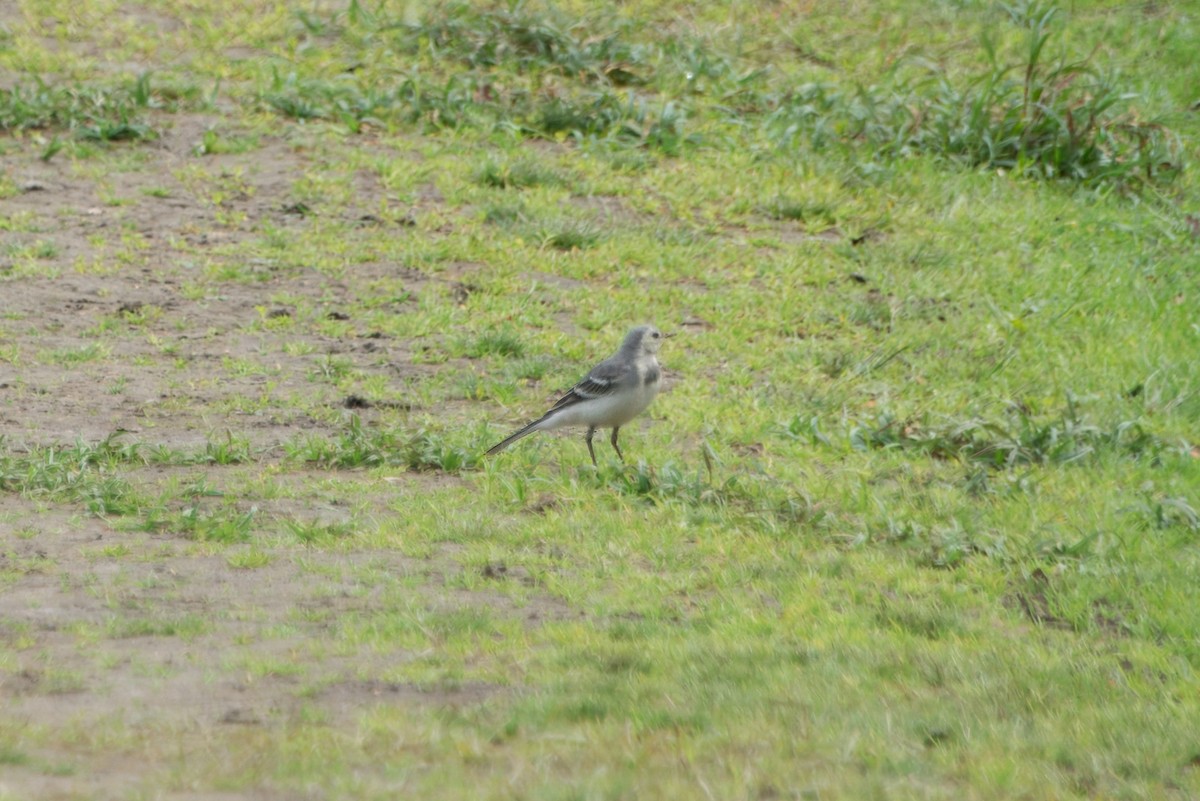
(166, 637)
(177, 238)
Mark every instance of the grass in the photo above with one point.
(516, 175)
(359, 446)
(97, 112)
(916, 516)
(1029, 107)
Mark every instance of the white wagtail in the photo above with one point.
(614, 392)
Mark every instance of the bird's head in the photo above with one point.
(645, 339)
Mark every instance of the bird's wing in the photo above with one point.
(604, 379)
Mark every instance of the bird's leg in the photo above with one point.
(620, 455)
(591, 432)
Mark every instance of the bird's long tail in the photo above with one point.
(511, 438)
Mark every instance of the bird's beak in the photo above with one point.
(668, 336)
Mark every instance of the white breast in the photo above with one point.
(610, 411)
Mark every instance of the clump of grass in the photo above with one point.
(464, 101)
(314, 532)
(299, 101)
(1068, 119)
(331, 369)
(98, 112)
(415, 100)
(533, 368)
(628, 120)
(233, 449)
(630, 161)
(668, 482)
(427, 451)
(472, 386)
(524, 39)
(1165, 512)
(360, 446)
(251, 559)
(498, 61)
(786, 208)
(1019, 439)
(517, 174)
(84, 353)
(222, 525)
(108, 452)
(755, 498)
(940, 546)
(1053, 121)
(36, 250)
(357, 446)
(77, 474)
(186, 627)
(214, 142)
(504, 214)
(1034, 117)
(917, 617)
(11, 756)
(586, 115)
(569, 234)
(499, 342)
(661, 127)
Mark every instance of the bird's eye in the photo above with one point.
(656, 335)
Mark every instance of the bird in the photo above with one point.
(613, 392)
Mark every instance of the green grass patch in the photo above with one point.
(1017, 441)
(106, 113)
(362, 446)
(518, 174)
(1027, 106)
